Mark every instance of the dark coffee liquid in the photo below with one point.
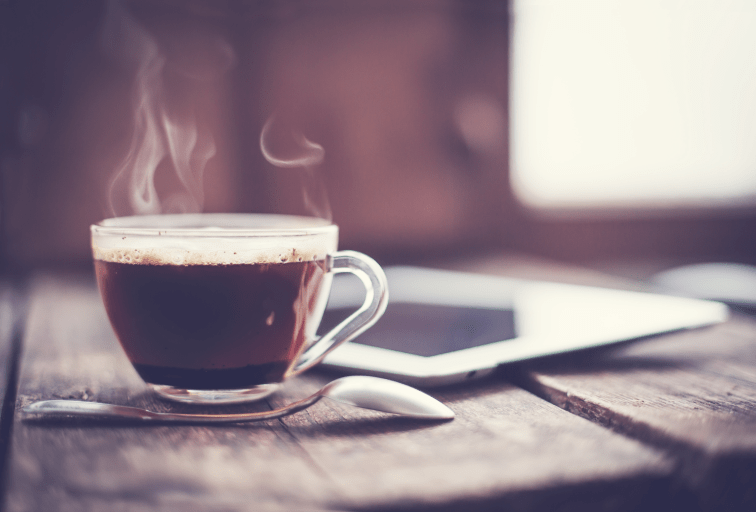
(212, 326)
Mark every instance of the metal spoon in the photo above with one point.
(360, 391)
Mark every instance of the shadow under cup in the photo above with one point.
(221, 308)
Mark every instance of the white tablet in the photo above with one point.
(442, 327)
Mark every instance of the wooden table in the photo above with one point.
(667, 423)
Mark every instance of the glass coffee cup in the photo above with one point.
(222, 308)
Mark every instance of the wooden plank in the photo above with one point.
(691, 394)
(505, 448)
(11, 325)
(70, 352)
(7, 328)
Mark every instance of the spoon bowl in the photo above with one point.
(358, 390)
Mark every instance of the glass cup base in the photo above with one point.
(214, 396)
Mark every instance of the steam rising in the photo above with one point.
(307, 155)
(157, 133)
(164, 137)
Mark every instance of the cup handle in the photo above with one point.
(376, 299)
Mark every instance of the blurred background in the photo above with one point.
(584, 131)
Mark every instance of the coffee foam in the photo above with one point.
(197, 240)
(138, 250)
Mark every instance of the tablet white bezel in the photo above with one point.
(551, 318)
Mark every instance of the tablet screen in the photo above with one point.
(430, 330)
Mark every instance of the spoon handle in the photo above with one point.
(58, 408)
(358, 390)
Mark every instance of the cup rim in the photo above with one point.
(213, 225)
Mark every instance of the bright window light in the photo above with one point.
(633, 102)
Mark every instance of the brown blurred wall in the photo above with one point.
(381, 85)
(408, 98)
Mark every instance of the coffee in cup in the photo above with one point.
(219, 308)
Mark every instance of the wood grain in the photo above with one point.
(8, 325)
(506, 448)
(691, 394)
(12, 315)
(70, 351)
